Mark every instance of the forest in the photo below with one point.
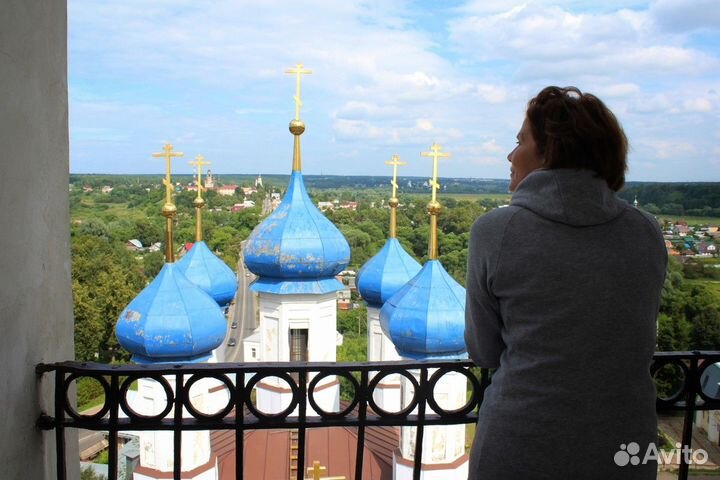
(106, 275)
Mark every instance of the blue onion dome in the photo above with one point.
(208, 272)
(171, 320)
(296, 249)
(425, 319)
(385, 273)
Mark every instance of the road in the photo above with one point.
(90, 443)
(241, 313)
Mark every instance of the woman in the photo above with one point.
(563, 288)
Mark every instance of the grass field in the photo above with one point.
(691, 220)
(714, 285)
(89, 209)
(468, 197)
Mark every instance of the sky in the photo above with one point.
(388, 77)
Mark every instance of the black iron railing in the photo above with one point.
(679, 373)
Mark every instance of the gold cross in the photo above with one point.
(395, 162)
(168, 154)
(199, 162)
(297, 71)
(435, 154)
(316, 470)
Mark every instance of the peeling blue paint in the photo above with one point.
(171, 320)
(425, 319)
(208, 272)
(385, 273)
(296, 241)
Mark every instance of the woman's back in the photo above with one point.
(563, 291)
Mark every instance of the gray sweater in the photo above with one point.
(563, 288)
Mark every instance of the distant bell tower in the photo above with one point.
(296, 253)
(209, 181)
(258, 181)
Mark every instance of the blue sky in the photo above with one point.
(389, 76)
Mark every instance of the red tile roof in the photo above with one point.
(267, 452)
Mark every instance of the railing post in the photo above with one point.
(59, 418)
(692, 383)
(239, 423)
(302, 418)
(362, 415)
(420, 431)
(177, 427)
(113, 427)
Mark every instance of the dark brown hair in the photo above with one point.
(576, 130)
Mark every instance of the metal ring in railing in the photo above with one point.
(324, 374)
(709, 402)
(658, 365)
(68, 404)
(187, 402)
(294, 401)
(386, 373)
(131, 413)
(458, 412)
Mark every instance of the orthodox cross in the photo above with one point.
(435, 154)
(395, 162)
(199, 162)
(298, 70)
(168, 153)
(316, 471)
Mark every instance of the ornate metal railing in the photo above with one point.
(680, 373)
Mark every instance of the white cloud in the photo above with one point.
(491, 146)
(652, 103)
(491, 93)
(684, 15)
(424, 124)
(666, 149)
(356, 110)
(550, 40)
(617, 90)
(697, 105)
(383, 76)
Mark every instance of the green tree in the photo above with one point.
(152, 263)
(87, 473)
(703, 313)
(88, 323)
(148, 232)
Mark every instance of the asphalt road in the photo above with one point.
(241, 313)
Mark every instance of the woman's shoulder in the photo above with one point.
(495, 218)
(490, 228)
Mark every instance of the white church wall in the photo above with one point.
(380, 349)
(442, 444)
(156, 447)
(279, 314)
(404, 471)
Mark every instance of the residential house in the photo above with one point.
(135, 245)
(226, 190)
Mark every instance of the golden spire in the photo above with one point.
(434, 205)
(169, 209)
(199, 202)
(395, 162)
(297, 127)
